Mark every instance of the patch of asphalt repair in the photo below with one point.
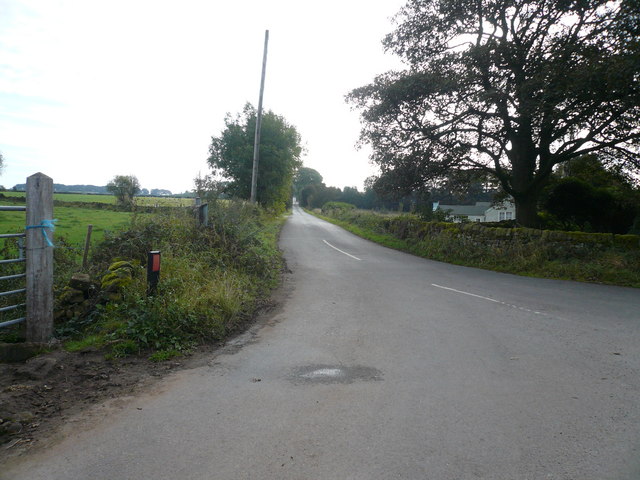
(334, 374)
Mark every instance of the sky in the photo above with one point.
(92, 89)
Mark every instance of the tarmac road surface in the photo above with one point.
(381, 365)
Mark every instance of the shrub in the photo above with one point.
(329, 206)
(211, 279)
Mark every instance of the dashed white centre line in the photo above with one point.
(336, 248)
(489, 299)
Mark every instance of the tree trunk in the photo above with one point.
(527, 212)
(523, 181)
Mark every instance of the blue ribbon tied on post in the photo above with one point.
(44, 225)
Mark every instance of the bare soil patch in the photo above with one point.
(39, 395)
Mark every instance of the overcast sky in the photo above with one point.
(93, 89)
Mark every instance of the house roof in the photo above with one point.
(469, 210)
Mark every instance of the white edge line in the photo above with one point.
(490, 299)
(467, 293)
(347, 254)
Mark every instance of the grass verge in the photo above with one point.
(212, 280)
(538, 258)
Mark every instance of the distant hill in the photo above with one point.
(91, 189)
(60, 188)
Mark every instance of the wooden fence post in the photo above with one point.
(203, 215)
(202, 212)
(39, 259)
(87, 244)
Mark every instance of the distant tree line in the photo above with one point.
(61, 188)
(94, 189)
(311, 192)
(585, 194)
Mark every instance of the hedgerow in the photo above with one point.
(212, 279)
(593, 257)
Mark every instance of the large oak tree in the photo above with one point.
(509, 87)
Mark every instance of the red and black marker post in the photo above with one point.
(153, 271)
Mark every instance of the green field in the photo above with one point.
(72, 222)
(71, 197)
(110, 199)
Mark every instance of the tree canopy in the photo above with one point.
(509, 87)
(304, 177)
(124, 188)
(231, 156)
(590, 197)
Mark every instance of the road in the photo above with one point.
(381, 365)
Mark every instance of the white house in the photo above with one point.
(480, 212)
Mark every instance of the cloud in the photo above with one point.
(95, 89)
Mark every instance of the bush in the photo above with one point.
(331, 206)
(211, 279)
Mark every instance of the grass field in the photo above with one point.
(110, 199)
(72, 197)
(72, 222)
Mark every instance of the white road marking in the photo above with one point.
(347, 254)
(466, 293)
(489, 299)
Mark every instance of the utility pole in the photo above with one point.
(256, 143)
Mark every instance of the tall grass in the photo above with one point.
(211, 281)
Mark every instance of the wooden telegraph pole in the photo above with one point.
(256, 143)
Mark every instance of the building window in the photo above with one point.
(501, 216)
(509, 215)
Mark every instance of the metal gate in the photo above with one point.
(4, 279)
